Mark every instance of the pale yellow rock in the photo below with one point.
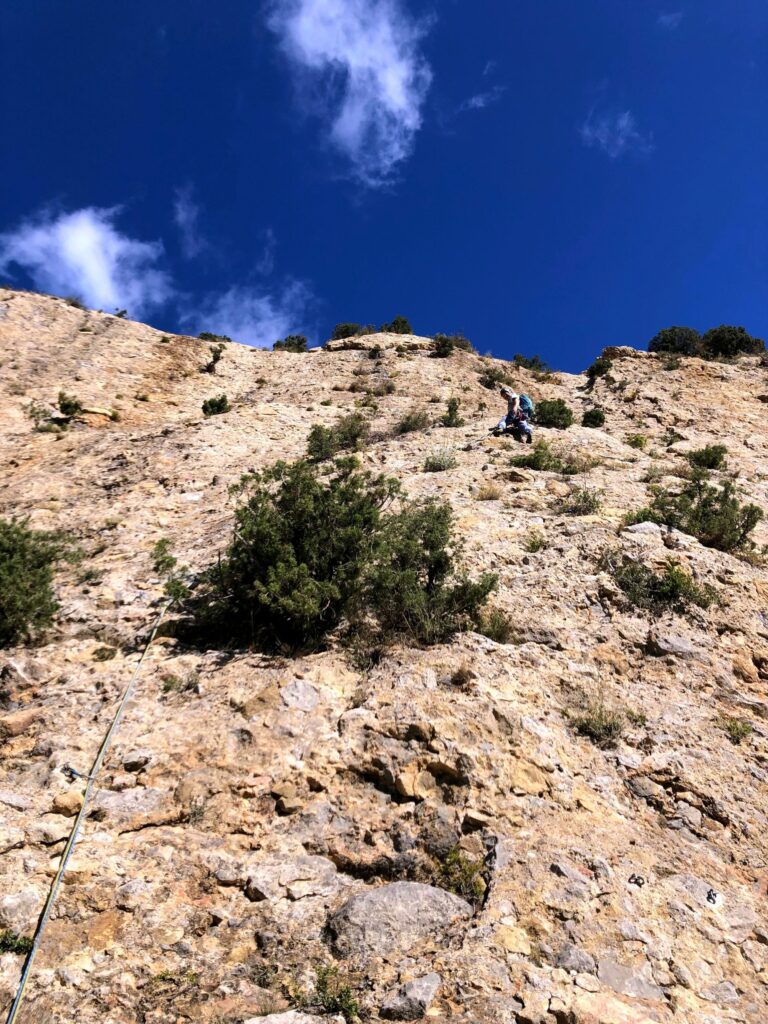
(527, 778)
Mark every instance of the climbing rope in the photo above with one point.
(102, 751)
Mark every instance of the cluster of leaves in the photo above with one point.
(714, 515)
(533, 363)
(580, 501)
(28, 559)
(451, 417)
(493, 377)
(334, 992)
(217, 338)
(69, 405)
(445, 344)
(291, 343)
(165, 563)
(216, 406)
(216, 351)
(600, 368)
(347, 434)
(440, 461)
(736, 729)
(637, 441)
(309, 552)
(594, 417)
(400, 325)
(674, 590)
(497, 626)
(10, 942)
(543, 458)
(553, 412)
(462, 875)
(599, 723)
(723, 342)
(711, 456)
(351, 330)
(416, 419)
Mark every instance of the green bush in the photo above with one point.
(416, 419)
(446, 343)
(493, 377)
(400, 325)
(444, 346)
(497, 626)
(440, 461)
(209, 336)
(10, 942)
(27, 562)
(727, 342)
(580, 502)
(69, 406)
(638, 441)
(714, 515)
(600, 724)
(674, 590)
(711, 456)
(308, 552)
(462, 875)
(216, 406)
(593, 418)
(291, 343)
(451, 417)
(351, 330)
(415, 588)
(534, 363)
(347, 434)
(334, 993)
(723, 342)
(540, 458)
(601, 366)
(681, 341)
(737, 729)
(553, 412)
(216, 354)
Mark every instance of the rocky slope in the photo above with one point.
(259, 819)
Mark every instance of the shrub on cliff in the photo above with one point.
(347, 434)
(309, 552)
(681, 341)
(292, 343)
(28, 559)
(714, 515)
(400, 325)
(553, 412)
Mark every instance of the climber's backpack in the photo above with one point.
(527, 407)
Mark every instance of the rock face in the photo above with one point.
(275, 839)
(394, 918)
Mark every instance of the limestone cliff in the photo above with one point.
(260, 818)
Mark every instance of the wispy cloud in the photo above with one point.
(483, 99)
(252, 316)
(670, 21)
(266, 263)
(366, 56)
(84, 254)
(186, 213)
(615, 134)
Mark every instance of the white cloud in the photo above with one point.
(83, 254)
(615, 134)
(670, 21)
(251, 316)
(266, 263)
(364, 55)
(186, 213)
(483, 99)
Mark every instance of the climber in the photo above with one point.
(519, 409)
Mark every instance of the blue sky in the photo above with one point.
(547, 176)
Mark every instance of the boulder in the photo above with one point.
(393, 918)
